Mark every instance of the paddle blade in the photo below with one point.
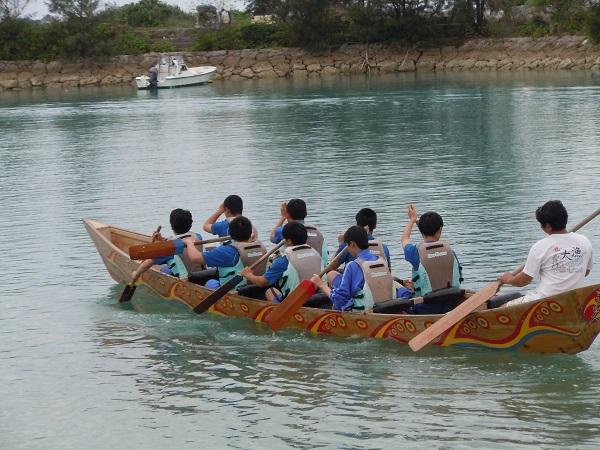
(127, 293)
(155, 250)
(292, 303)
(453, 317)
(217, 294)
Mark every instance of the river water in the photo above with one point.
(78, 370)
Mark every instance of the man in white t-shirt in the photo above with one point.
(561, 260)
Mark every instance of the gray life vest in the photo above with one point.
(248, 252)
(379, 284)
(316, 240)
(438, 268)
(303, 263)
(181, 265)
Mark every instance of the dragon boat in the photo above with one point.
(565, 323)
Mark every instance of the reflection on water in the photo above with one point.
(484, 150)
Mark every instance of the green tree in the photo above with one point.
(74, 9)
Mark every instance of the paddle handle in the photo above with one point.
(156, 232)
(334, 261)
(212, 241)
(577, 227)
(266, 255)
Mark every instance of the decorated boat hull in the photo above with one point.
(566, 323)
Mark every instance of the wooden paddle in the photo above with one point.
(233, 282)
(166, 248)
(131, 287)
(298, 297)
(471, 304)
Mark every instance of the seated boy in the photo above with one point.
(561, 260)
(232, 207)
(177, 265)
(367, 218)
(295, 211)
(365, 281)
(299, 262)
(230, 259)
(434, 263)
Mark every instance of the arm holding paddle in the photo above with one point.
(257, 280)
(519, 279)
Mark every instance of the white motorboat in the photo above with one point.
(174, 72)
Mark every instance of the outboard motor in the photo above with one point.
(153, 78)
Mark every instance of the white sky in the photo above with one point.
(38, 9)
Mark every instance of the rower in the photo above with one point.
(177, 265)
(366, 218)
(295, 211)
(232, 207)
(366, 280)
(231, 258)
(561, 260)
(435, 266)
(298, 262)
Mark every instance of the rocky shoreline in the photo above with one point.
(550, 53)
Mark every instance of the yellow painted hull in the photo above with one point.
(566, 323)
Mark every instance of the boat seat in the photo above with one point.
(252, 291)
(202, 276)
(395, 306)
(498, 300)
(447, 296)
(319, 300)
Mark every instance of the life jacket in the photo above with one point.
(438, 268)
(249, 252)
(316, 240)
(303, 262)
(180, 265)
(379, 284)
(376, 247)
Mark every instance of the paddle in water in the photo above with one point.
(165, 248)
(298, 297)
(471, 304)
(131, 287)
(232, 283)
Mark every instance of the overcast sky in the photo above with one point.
(38, 9)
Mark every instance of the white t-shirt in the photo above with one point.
(560, 261)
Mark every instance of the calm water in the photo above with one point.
(78, 370)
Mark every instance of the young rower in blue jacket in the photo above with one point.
(367, 218)
(232, 207)
(365, 281)
(229, 258)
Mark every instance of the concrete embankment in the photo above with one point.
(550, 53)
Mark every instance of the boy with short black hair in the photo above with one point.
(177, 265)
(231, 258)
(295, 211)
(298, 262)
(232, 207)
(365, 281)
(561, 260)
(434, 263)
(367, 218)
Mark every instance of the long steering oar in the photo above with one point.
(233, 282)
(298, 297)
(165, 248)
(471, 304)
(131, 287)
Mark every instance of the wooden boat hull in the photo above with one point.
(566, 323)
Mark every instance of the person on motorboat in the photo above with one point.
(232, 257)
(298, 262)
(295, 211)
(366, 280)
(435, 265)
(560, 261)
(177, 265)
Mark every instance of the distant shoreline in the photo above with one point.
(507, 54)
